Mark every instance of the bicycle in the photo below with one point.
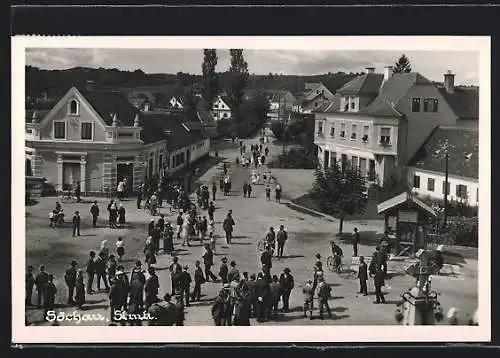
(338, 267)
(67, 196)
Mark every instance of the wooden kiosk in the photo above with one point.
(405, 221)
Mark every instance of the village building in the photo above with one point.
(97, 138)
(427, 169)
(378, 121)
(221, 109)
(314, 96)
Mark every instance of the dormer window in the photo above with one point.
(385, 136)
(73, 107)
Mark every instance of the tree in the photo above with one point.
(238, 77)
(210, 81)
(339, 192)
(403, 65)
(189, 105)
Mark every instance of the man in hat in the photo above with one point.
(266, 258)
(151, 227)
(29, 283)
(137, 282)
(70, 279)
(40, 281)
(208, 262)
(90, 272)
(228, 225)
(275, 294)
(115, 298)
(121, 275)
(324, 294)
(94, 211)
(175, 268)
(76, 223)
(281, 237)
(185, 283)
(262, 293)
(179, 314)
(251, 284)
(224, 271)
(49, 295)
(199, 279)
(363, 276)
(355, 242)
(378, 281)
(233, 273)
(218, 308)
(151, 288)
(286, 287)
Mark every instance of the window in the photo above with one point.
(315, 104)
(416, 181)
(59, 130)
(225, 115)
(73, 107)
(448, 187)
(461, 191)
(354, 129)
(216, 105)
(86, 131)
(353, 105)
(415, 105)
(385, 136)
(430, 184)
(366, 129)
(430, 105)
(342, 130)
(320, 127)
(332, 131)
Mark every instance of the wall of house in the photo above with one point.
(73, 123)
(420, 124)
(48, 166)
(439, 178)
(200, 149)
(95, 171)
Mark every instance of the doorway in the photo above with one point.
(125, 170)
(326, 159)
(71, 175)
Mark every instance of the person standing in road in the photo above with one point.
(228, 227)
(29, 283)
(233, 273)
(214, 191)
(175, 268)
(76, 223)
(115, 297)
(100, 269)
(363, 276)
(324, 294)
(208, 262)
(199, 279)
(40, 281)
(218, 307)
(275, 294)
(224, 271)
(281, 237)
(90, 272)
(249, 190)
(278, 193)
(378, 280)
(70, 280)
(286, 287)
(355, 242)
(211, 211)
(308, 292)
(245, 189)
(262, 293)
(80, 289)
(121, 215)
(185, 278)
(94, 211)
(49, 295)
(151, 288)
(268, 192)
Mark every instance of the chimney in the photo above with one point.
(449, 81)
(89, 86)
(388, 71)
(370, 70)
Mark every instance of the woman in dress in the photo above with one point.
(104, 252)
(149, 251)
(121, 215)
(120, 249)
(80, 289)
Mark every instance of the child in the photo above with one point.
(308, 292)
(52, 218)
(120, 249)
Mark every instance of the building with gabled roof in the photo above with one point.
(378, 121)
(314, 96)
(97, 138)
(426, 169)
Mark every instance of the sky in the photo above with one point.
(431, 64)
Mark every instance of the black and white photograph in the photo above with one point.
(252, 182)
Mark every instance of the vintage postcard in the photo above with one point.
(263, 183)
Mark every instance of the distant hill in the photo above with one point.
(54, 83)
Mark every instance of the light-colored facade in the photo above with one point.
(315, 97)
(220, 109)
(79, 142)
(369, 143)
(430, 183)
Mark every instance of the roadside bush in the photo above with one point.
(296, 158)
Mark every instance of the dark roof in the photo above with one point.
(463, 152)
(311, 85)
(369, 83)
(331, 106)
(108, 103)
(464, 101)
(39, 114)
(160, 125)
(391, 92)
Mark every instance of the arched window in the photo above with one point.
(73, 106)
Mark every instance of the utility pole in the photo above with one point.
(445, 187)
